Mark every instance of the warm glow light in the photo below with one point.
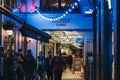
(29, 39)
(9, 32)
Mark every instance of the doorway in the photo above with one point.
(70, 43)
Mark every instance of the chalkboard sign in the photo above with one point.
(77, 64)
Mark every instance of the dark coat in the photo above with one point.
(49, 64)
(12, 62)
(29, 63)
(58, 62)
(70, 59)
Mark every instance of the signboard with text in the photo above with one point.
(76, 64)
(70, 21)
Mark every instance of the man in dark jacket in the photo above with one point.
(20, 70)
(12, 65)
(70, 61)
(29, 65)
(49, 66)
(58, 66)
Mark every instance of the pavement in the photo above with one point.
(68, 75)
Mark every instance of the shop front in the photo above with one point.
(25, 38)
(16, 33)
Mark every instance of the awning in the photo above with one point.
(8, 25)
(32, 32)
(26, 30)
(11, 15)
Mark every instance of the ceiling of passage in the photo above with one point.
(66, 37)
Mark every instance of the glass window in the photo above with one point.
(10, 3)
(58, 6)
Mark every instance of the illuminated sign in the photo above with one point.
(90, 11)
(61, 22)
(80, 40)
(87, 10)
(71, 21)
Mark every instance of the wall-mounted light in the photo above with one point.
(9, 32)
(29, 40)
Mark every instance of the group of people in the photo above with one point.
(18, 66)
(25, 67)
(50, 66)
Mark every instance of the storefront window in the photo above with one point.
(9, 41)
(10, 3)
(57, 5)
(49, 6)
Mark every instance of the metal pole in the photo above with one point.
(106, 42)
(116, 23)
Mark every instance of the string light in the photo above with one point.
(61, 16)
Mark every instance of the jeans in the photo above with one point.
(58, 75)
(41, 74)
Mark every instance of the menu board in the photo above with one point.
(76, 64)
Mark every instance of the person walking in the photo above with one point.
(20, 70)
(29, 65)
(40, 65)
(58, 62)
(70, 61)
(12, 65)
(5, 65)
(49, 66)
